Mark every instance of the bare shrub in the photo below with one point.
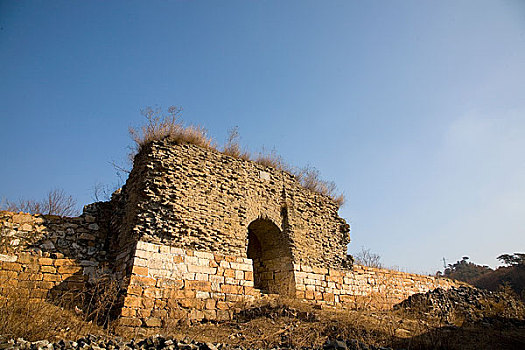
(101, 192)
(272, 159)
(56, 202)
(309, 177)
(232, 146)
(367, 258)
(104, 192)
(161, 126)
(69, 313)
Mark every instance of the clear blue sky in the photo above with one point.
(416, 109)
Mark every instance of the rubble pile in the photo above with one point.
(469, 303)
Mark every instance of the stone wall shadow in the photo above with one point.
(74, 253)
(96, 299)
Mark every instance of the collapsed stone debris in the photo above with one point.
(467, 303)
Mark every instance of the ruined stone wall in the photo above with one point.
(361, 286)
(79, 238)
(45, 253)
(192, 233)
(201, 199)
(172, 283)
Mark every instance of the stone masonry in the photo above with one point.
(191, 234)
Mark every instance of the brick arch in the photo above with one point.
(261, 209)
(270, 252)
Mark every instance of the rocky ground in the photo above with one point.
(158, 342)
(461, 318)
(466, 304)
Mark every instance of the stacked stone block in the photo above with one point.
(175, 283)
(361, 285)
(38, 276)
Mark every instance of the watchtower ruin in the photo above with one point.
(193, 232)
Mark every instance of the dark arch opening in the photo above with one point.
(271, 256)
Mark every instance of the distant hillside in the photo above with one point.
(514, 276)
(484, 277)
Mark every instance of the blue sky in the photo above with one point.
(416, 109)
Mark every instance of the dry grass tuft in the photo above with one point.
(309, 177)
(160, 126)
(233, 147)
(272, 159)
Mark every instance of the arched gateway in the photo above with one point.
(270, 252)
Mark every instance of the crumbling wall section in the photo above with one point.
(40, 254)
(79, 238)
(201, 199)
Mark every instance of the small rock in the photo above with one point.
(93, 227)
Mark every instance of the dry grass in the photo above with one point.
(233, 148)
(63, 315)
(309, 177)
(160, 127)
(272, 159)
(295, 324)
(35, 319)
(267, 324)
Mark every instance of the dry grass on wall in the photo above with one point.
(310, 178)
(160, 126)
(233, 148)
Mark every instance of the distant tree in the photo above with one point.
(56, 202)
(512, 259)
(463, 270)
(505, 258)
(367, 258)
(510, 276)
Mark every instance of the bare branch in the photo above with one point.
(56, 202)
